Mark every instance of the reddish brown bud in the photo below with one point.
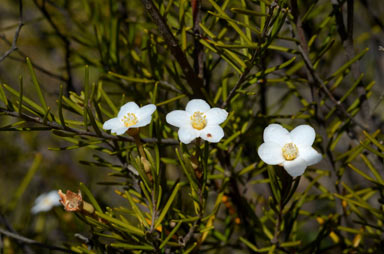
(71, 201)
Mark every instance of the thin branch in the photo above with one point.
(38, 67)
(198, 52)
(65, 40)
(194, 81)
(57, 126)
(17, 33)
(312, 74)
(256, 54)
(346, 36)
(32, 242)
(184, 241)
(35, 66)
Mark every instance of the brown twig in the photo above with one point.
(56, 126)
(194, 81)
(17, 34)
(25, 240)
(64, 39)
(346, 35)
(312, 74)
(255, 55)
(38, 67)
(198, 53)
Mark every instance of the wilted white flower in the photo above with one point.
(130, 116)
(292, 150)
(46, 202)
(198, 120)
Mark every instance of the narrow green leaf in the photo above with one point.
(86, 85)
(108, 100)
(131, 246)
(263, 18)
(348, 64)
(169, 236)
(171, 100)
(190, 249)
(132, 79)
(233, 21)
(249, 244)
(73, 106)
(183, 160)
(25, 99)
(21, 94)
(91, 198)
(167, 205)
(93, 122)
(373, 169)
(139, 214)
(248, 12)
(230, 21)
(25, 182)
(36, 84)
(290, 244)
(373, 140)
(61, 116)
(3, 97)
(207, 31)
(231, 138)
(362, 173)
(124, 225)
(114, 38)
(147, 196)
(46, 115)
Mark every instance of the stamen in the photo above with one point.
(290, 151)
(129, 120)
(198, 120)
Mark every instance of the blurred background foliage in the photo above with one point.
(67, 66)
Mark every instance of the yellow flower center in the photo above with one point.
(290, 151)
(47, 201)
(129, 120)
(198, 120)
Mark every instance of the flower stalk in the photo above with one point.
(135, 133)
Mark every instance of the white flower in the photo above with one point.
(198, 120)
(46, 202)
(130, 116)
(292, 150)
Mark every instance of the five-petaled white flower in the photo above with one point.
(46, 202)
(292, 150)
(130, 116)
(198, 120)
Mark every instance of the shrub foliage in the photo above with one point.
(264, 61)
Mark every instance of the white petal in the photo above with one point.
(271, 153)
(197, 105)
(310, 155)
(45, 202)
(40, 198)
(143, 122)
(113, 123)
(187, 134)
(277, 134)
(295, 167)
(303, 135)
(119, 131)
(216, 116)
(178, 118)
(39, 208)
(54, 197)
(145, 111)
(212, 133)
(129, 107)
